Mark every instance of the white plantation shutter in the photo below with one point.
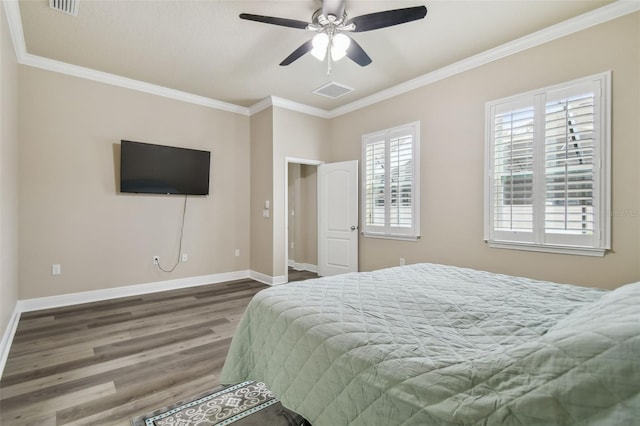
(374, 188)
(513, 172)
(569, 168)
(390, 183)
(401, 181)
(548, 169)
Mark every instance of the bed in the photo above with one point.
(431, 344)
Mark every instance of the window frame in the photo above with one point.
(538, 239)
(388, 231)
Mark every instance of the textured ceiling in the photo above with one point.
(203, 48)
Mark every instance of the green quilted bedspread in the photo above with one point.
(430, 344)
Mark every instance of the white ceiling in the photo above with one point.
(203, 48)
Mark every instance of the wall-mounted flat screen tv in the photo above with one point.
(157, 169)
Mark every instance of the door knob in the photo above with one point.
(353, 227)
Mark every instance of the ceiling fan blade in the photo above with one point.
(357, 54)
(387, 18)
(296, 54)
(283, 22)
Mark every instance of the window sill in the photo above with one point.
(548, 248)
(391, 236)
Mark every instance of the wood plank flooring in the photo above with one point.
(105, 362)
(295, 275)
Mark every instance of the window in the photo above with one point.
(548, 173)
(390, 183)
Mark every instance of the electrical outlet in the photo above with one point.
(237, 252)
(56, 269)
(185, 257)
(402, 261)
(156, 260)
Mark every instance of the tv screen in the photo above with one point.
(158, 169)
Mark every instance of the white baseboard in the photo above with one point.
(267, 279)
(7, 338)
(125, 291)
(282, 279)
(311, 268)
(303, 266)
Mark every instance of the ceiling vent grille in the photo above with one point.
(69, 7)
(333, 90)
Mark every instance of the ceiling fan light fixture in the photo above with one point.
(339, 46)
(329, 22)
(320, 42)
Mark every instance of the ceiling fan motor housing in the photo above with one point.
(333, 10)
(320, 21)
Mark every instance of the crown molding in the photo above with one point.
(295, 106)
(260, 106)
(128, 83)
(270, 101)
(579, 23)
(599, 16)
(14, 20)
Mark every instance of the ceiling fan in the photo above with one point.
(330, 22)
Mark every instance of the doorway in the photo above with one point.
(301, 227)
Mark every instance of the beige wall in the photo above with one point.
(299, 136)
(71, 211)
(451, 113)
(8, 176)
(261, 190)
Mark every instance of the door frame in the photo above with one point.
(287, 161)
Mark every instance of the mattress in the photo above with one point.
(430, 344)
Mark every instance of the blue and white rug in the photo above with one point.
(245, 404)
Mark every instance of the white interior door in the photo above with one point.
(338, 218)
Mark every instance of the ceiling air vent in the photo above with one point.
(66, 6)
(333, 90)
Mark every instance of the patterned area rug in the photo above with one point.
(245, 404)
